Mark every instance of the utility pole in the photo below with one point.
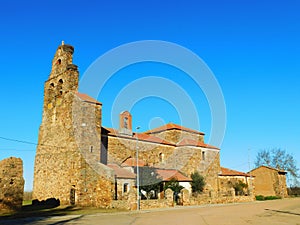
(137, 171)
(249, 165)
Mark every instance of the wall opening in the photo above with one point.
(125, 188)
(72, 195)
(161, 157)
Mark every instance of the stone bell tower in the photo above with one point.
(67, 162)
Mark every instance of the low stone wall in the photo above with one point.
(123, 204)
(156, 203)
(184, 200)
(131, 203)
(11, 183)
(200, 200)
(144, 204)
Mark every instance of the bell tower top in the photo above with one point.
(63, 77)
(63, 60)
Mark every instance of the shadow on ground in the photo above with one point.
(281, 211)
(37, 213)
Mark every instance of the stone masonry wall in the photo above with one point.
(269, 182)
(189, 159)
(227, 182)
(175, 136)
(119, 149)
(11, 183)
(67, 162)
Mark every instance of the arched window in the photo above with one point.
(58, 62)
(61, 81)
(161, 157)
(52, 85)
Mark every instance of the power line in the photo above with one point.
(19, 141)
(28, 142)
(21, 150)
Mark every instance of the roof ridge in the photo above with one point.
(170, 126)
(87, 98)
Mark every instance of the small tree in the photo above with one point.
(149, 180)
(174, 185)
(197, 183)
(279, 159)
(239, 188)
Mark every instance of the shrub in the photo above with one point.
(259, 198)
(272, 197)
(197, 183)
(263, 198)
(239, 188)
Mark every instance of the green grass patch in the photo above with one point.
(27, 202)
(264, 198)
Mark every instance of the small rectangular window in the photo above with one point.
(91, 148)
(125, 187)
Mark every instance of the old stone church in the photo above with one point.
(80, 162)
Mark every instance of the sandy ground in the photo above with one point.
(273, 212)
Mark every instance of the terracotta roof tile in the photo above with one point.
(229, 172)
(172, 126)
(88, 98)
(121, 172)
(191, 142)
(168, 174)
(150, 138)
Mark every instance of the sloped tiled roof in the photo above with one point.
(172, 126)
(87, 98)
(168, 174)
(191, 142)
(132, 162)
(229, 172)
(121, 172)
(138, 136)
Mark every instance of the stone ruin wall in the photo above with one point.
(11, 183)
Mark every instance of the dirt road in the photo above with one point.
(275, 212)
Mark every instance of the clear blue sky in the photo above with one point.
(252, 47)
